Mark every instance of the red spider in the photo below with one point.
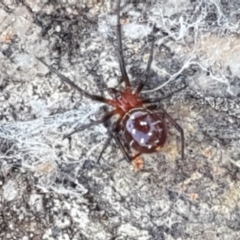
(140, 127)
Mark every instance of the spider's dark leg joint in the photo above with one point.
(135, 156)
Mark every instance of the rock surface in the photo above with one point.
(53, 188)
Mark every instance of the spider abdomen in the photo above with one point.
(144, 130)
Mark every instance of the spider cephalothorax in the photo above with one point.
(141, 125)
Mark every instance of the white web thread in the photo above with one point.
(30, 142)
(182, 33)
(221, 79)
(29, 137)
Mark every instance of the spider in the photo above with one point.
(140, 126)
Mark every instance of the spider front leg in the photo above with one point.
(147, 72)
(73, 85)
(122, 65)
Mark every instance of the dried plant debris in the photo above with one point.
(53, 188)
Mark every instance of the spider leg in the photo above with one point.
(175, 124)
(147, 72)
(125, 78)
(121, 145)
(72, 84)
(113, 134)
(126, 155)
(135, 156)
(102, 120)
(123, 150)
(104, 148)
(157, 100)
